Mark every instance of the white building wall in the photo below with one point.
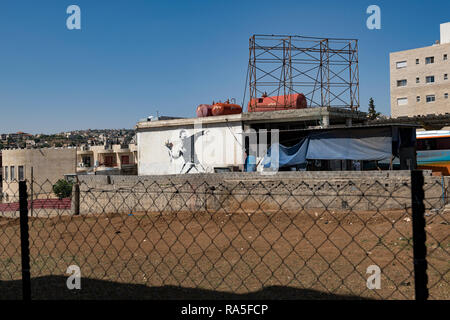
(445, 33)
(166, 150)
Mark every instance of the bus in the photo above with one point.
(433, 151)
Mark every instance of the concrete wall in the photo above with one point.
(167, 150)
(49, 165)
(422, 89)
(231, 192)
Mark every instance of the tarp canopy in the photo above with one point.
(346, 144)
(286, 156)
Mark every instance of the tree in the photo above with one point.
(372, 114)
(62, 188)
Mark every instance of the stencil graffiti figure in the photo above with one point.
(183, 150)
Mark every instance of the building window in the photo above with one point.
(401, 83)
(86, 161)
(418, 98)
(446, 95)
(21, 173)
(431, 98)
(401, 64)
(6, 174)
(429, 60)
(417, 80)
(430, 79)
(417, 61)
(445, 76)
(13, 173)
(402, 101)
(125, 159)
(445, 56)
(109, 161)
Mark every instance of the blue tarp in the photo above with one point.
(367, 144)
(286, 156)
(250, 164)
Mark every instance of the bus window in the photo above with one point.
(433, 144)
(426, 144)
(443, 143)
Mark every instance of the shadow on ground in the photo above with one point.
(54, 287)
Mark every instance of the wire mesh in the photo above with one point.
(10, 258)
(181, 238)
(437, 240)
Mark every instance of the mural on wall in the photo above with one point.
(193, 150)
(182, 151)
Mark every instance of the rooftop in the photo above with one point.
(294, 115)
(434, 45)
(444, 39)
(428, 122)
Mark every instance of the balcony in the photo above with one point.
(83, 167)
(84, 152)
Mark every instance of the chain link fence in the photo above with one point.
(224, 237)
(10, 251)
(437, 243)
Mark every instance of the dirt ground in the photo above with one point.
(314, 254)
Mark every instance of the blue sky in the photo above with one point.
(133, 58)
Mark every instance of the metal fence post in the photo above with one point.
(32, 193)
(75, 204)
(24, 241)
(419, 235)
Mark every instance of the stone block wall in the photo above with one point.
(250, 192)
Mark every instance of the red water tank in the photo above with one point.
(274, 103)
(204, 110)
(221, 109)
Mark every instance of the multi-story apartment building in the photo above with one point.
(107, 158)
(420, 78)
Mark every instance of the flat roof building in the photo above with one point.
(48, 165)
(111, 159)
(419, 78)
(224, 143)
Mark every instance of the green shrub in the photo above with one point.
(62, 189)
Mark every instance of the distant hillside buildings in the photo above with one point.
(66, 139)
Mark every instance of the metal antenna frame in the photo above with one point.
(325, 70)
